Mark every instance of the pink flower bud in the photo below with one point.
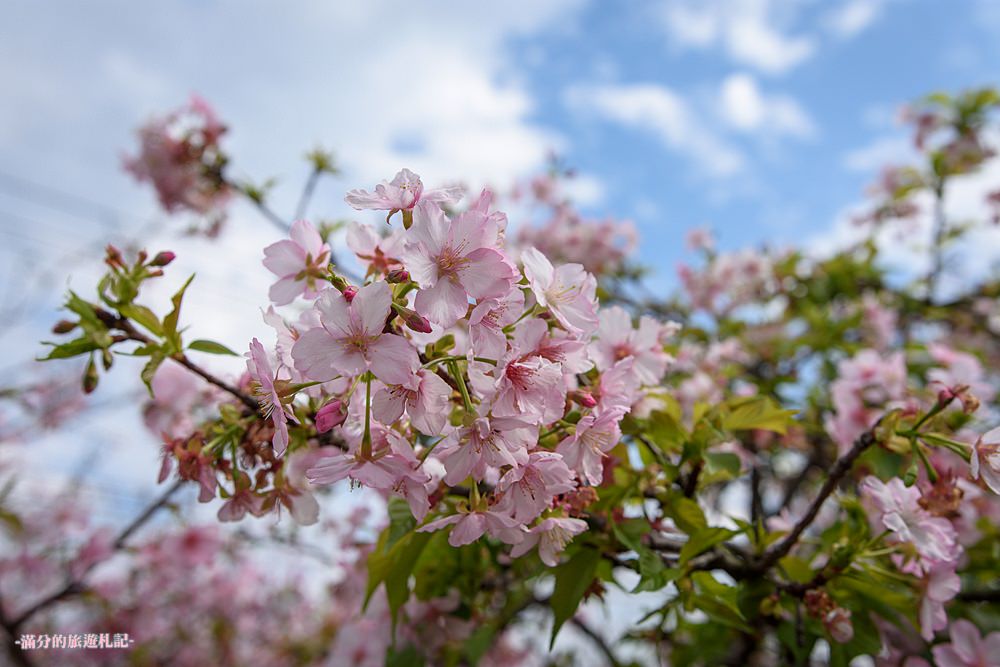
(349, 292)
(398, 276)
(417, 322)
(163, 258)
(330, 415)
(584, 399)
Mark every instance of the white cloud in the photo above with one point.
(752, 32)
(664, 113)
(880, 153)
(746, 108)
(853, 17)
(905, 245)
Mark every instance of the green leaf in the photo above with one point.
(211, 347)
(718, 601)
(757, 412)
(407, 657)
(149, 370)
(686, 514)
(573, 578)
(393, 566)
(73, 348)
(401, 520)
(723, 462)
(143, 316)
(170, 321)
(653, 574)
(704, 540)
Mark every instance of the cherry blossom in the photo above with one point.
(299, 262)
(569, 292)
(452, 260)
(351, 339)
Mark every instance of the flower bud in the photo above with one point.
(330, 415)
(412, 319)
(90, 378)
(163, 258)
(838, 623)
(398, 276)
(349, 292)
(584, 399)
(113, 257)
(63, 326)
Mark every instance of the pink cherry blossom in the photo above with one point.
(351, 339)
(616, 340)
(379, 254)
(177, 155)
(470, 526)
(488, 441)
(593, 437)
(525, 385)
(424, 397)
(403, 192)
(968, 648)
(985, 461)
(488, 319)
(265, 388)
(941, 585)
(569, 292)
(551, 535)
(299, 262)
(898, 509)
(391, 459)
(452, 260)
(528, 490)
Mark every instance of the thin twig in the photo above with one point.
(307, 193)
(840, 468)
(74, 584)
(597, 639)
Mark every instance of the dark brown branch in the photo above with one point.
(839, 470)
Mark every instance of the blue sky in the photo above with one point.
(762, 119)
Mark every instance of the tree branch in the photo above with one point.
(74, 585)
(597, 639)
(840, 468)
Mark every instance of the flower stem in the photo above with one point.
(460, 379)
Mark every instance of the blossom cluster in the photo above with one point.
(452, 367)
(180, 155)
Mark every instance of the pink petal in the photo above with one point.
(286, 290)
(393, 359)
(321, 357)
(284, 258)
(487, 275)
(442, 304)
(468, 530)
(371, 306)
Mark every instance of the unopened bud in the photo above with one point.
(584, 399)
(349, 292)
(163, 258)
(113, 256)
(398, 276)
(90, 377)
(142, 256)
(415, 320)
(330, 415)
(63, 326)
